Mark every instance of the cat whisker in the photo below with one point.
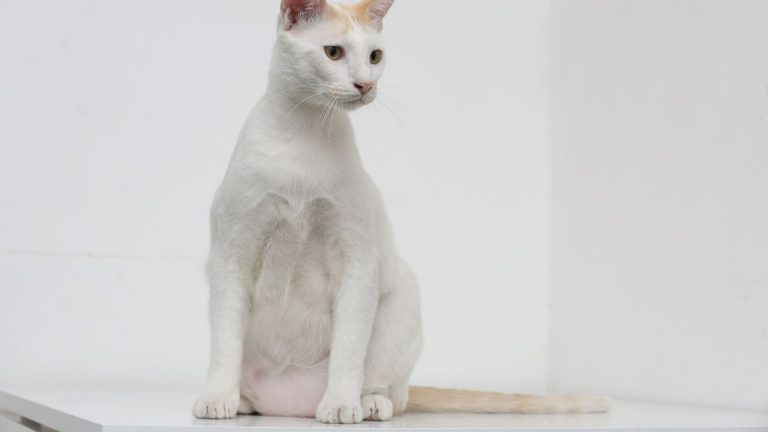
(390, 106)
(324, 115)
(333, 111)
(290, 112)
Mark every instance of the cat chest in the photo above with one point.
(296, 261)
(293, 224)
(291, 299)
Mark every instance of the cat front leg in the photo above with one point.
(221, 396)
(238, 235)
(353, 313)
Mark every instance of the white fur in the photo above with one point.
(312, 311)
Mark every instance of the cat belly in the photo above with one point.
(288, 336)
(286, 359)
(294, 391)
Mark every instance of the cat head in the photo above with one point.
(330, 53)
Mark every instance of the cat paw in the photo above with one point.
(221, 405)
(376, 407)
(333, 410)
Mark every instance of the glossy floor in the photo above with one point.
(120, 409)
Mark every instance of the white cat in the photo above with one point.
(312, 311)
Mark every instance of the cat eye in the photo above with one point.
(376, 56)
(334, 52)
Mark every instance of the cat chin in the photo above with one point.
(358, 103)
(355, 104)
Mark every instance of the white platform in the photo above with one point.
(168, 410)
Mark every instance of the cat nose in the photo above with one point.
(363, 87)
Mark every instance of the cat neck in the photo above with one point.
(304, 143)
(306, 114)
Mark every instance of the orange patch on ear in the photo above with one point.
(338, 13)
(359, 11)
(369, 12)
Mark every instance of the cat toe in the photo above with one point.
(376, 407)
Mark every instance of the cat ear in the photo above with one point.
(376, 9)
(293, 11)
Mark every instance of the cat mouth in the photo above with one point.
(349, 101)
(347, 98)
(356, 100)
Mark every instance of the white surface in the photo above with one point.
(660, 200)
(163, 409)
(118, 121)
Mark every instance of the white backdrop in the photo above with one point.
(118, 121)
(660, 200)
(118, 118)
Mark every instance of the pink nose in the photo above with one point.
(363, 87)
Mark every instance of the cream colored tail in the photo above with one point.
(429, 399)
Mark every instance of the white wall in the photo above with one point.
(660, 200)
(118, 121)
(119, 118)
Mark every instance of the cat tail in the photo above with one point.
(437, 400)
